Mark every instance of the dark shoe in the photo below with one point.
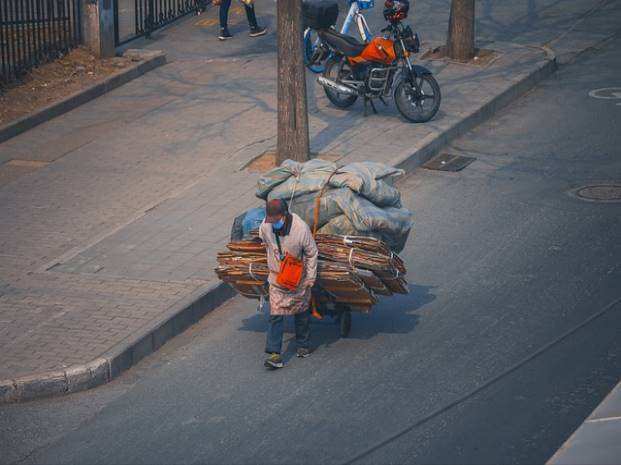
(225, 34)
(303, 352)
(274, 361)
(257, 31)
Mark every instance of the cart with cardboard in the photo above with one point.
(359, 225)
(352, 272)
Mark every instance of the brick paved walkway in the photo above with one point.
(134, 192)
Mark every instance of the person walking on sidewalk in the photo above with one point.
(285, 234)
(255, 29)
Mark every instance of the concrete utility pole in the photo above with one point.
(293, 140)
(460, 42)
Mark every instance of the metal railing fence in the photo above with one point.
(149, 15)
(33, 32)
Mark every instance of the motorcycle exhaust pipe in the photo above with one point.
(340, 88)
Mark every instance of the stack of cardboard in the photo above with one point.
(382, 270)
(340, 283)
(244, 267)
(352, 270)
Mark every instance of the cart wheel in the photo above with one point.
(345, 323)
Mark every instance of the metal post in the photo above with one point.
(150, 20)
(116, 22)
(106, 28)
(99, 29)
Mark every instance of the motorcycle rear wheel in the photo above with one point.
(418, 100)
(336, 70)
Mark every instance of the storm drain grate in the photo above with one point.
(600, 192)
(448, 162)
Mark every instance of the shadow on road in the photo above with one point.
(392, 315)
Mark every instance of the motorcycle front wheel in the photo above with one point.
(337, 70)
(311, 60)
(418, 100)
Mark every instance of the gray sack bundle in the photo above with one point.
(359, 199)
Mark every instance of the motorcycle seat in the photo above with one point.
(345, 44)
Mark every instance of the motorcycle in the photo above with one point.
(354, 17)
(378, 69)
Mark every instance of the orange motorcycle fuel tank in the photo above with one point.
(379, 50)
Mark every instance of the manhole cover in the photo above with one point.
(600, 193)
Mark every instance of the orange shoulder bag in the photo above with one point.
(291, 270)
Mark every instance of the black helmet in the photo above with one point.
(396, 10)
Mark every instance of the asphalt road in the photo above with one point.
(507, 341)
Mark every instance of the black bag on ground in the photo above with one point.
(320, 14)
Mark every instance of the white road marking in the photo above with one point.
(599, 420)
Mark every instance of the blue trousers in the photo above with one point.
(275, 330)
(224, 14)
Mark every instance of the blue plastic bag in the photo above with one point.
(253, 219)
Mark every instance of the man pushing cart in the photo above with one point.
(343, 265)
(292, 264)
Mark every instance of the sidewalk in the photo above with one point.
(114, 212)
(597, 440)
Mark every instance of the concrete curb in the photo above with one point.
(409, 161)
(107, 367)
(596, 439)
(150, 60)
(190, 310)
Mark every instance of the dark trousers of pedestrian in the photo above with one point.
(276, 328)
(224, 14)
